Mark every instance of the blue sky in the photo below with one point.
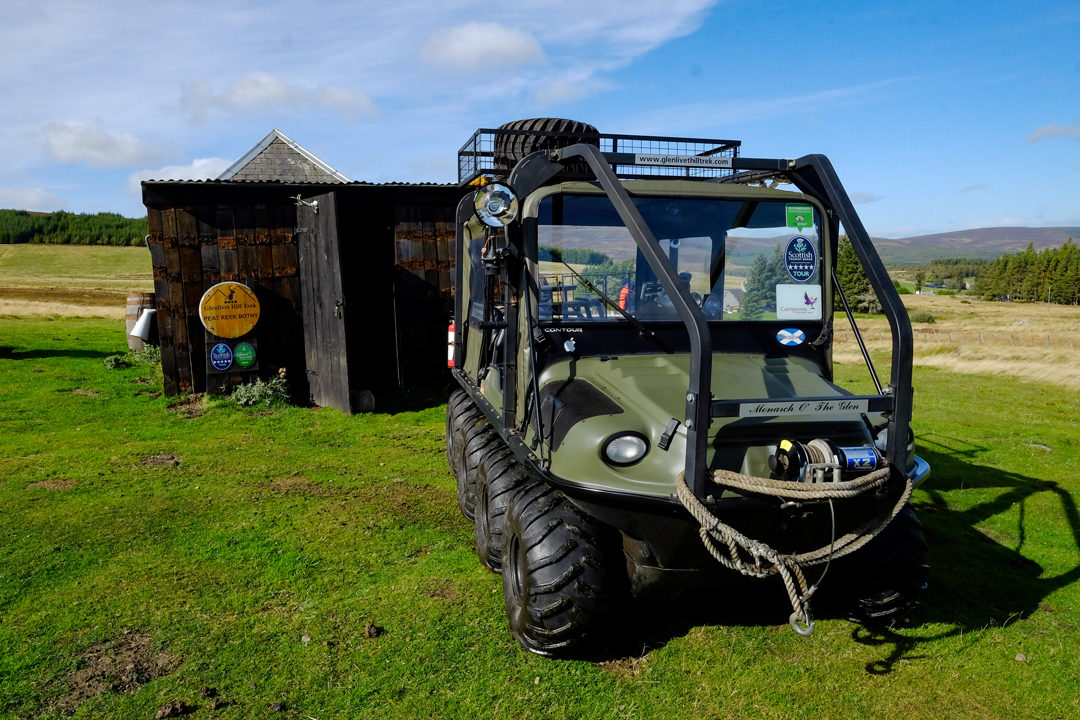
(937, 116)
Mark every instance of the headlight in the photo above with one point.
(495, 204)
(625, 449)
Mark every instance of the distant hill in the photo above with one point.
(986, 243)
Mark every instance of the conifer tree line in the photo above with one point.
(1051, 275)
(64, 228)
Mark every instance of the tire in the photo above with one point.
(480, 439)
(460, 414)
(511, 147)
(461, 417)
(563, 575)
(500, 476)
(886, 579)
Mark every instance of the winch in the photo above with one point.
(822, 460)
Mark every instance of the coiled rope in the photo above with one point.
(756, 559)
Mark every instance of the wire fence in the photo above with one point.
(957, 337)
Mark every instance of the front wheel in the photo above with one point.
(563, 575)
(886, 579)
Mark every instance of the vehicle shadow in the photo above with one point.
(975, 581)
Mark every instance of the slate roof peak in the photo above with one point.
(277, 157)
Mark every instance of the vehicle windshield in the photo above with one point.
(742, 259)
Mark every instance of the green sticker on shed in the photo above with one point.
(244, 355)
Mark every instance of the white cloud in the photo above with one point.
(259, 92)
(861, 198)
(1071, 132)
(76, 142)
(480, 46)
(198, 169)
(34, 199)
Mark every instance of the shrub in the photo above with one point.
(271, 392)
(149, 355)
(116, 362)
(946, 292)
(922, 317)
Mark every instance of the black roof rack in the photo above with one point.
(631, 156)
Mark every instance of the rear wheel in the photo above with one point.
(563, 574)
(480, 439)
(500, 476)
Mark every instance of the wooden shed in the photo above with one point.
(354, 280)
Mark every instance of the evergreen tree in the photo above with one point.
(757, 289)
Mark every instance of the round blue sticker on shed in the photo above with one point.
(221, 356)
(801, 259)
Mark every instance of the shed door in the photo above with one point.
(323, 302)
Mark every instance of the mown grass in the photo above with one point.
(71, 280)
(255, 547)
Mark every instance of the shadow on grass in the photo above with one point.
(975, 581)
(17, 354)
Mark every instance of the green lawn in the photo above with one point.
(160, 551)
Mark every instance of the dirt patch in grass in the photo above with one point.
(161, 460)
(625, 668)
(86, 392)
(443, 590)
(119, 665)
(400, 501)
(297, 485)
(192, 406)
(53, 484)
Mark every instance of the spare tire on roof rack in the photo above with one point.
(515, 140)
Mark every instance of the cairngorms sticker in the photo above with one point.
(801, 259)
(798, 302)
(791, 336)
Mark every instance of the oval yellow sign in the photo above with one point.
(229, 310)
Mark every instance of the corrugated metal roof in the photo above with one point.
(364, 183)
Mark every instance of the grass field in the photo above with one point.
(71, 280)
(301, 563)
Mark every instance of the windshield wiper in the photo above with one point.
(641, 327)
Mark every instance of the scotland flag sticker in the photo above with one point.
(791, 336)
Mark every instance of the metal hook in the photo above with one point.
(805, 630)
(313, 204)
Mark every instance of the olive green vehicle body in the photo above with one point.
(649, 387)
(702, 390)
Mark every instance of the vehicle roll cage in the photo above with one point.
(812, 175)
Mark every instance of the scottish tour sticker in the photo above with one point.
(791, 336)
(801, 259)
(221, 356)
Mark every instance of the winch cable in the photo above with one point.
(756, 559)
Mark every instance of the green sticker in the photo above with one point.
(800, 216)
(244, 355)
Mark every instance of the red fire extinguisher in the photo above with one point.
(450, 345)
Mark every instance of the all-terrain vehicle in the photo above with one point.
(643, 343)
